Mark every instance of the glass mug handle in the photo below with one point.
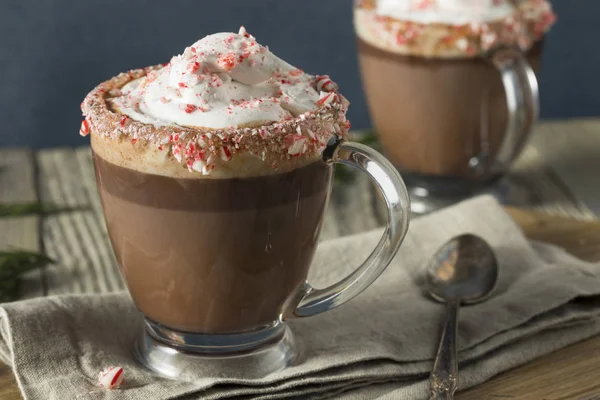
(522, 101)
(311, 301)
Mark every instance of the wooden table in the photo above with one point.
(549, 208)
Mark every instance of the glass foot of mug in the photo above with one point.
(423, 202)
(429, 194)
(189, 356)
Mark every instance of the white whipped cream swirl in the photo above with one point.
(451, 12)
(223, 80)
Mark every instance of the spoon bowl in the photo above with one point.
(464, 269)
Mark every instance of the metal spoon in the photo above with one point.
(464, 270)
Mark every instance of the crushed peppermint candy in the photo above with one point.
(85, 128)
(227, 61)
(326, 97)
(111, 378)
(295, 144)
(325, 83)
(243, 32)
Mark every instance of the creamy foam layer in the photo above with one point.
(451, 28)
(222, 80)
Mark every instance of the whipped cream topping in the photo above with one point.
(451, 28)
(222, 80)
(227, 107)
(451, 12)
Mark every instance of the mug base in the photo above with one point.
(429, 194)
(189, 356)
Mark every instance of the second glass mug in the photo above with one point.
(451, 125)
(233, 317)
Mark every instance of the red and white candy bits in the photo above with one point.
(295, 144)
(243, 32)
(324, 83)
(326, 98)
(424, 4)
(111, 378)
(227, 61)
(85, 128)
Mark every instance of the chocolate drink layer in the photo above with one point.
(433, 115)
(213, 255)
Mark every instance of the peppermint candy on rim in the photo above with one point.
(111, 378)
(225, 153)
(326, 98)
(176, 150)
(489, 40)
(295, 144)
(85, 128)
(324, 83)
(198, 165)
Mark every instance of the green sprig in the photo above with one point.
(8, 210)
(369, 138)
(15, 263)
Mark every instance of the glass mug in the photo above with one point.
(217, 266)
(450, 125)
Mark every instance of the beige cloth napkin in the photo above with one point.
(378, 346)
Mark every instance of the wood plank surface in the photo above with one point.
(571, 373)
(17, 185)
(572, 148)
(8, 385)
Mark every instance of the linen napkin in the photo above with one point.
(379, 345)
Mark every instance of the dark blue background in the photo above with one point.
(52, 52)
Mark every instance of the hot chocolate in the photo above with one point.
(213, 255)
(212, 182)
(435, 97)
(436, 115)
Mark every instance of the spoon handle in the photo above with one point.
(444, 376)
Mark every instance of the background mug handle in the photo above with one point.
(522, 104)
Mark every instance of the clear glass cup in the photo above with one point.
(451, 125)
(217, 266)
